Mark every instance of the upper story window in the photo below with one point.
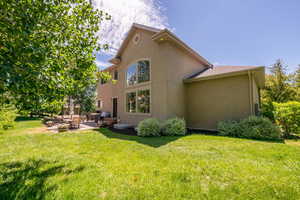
(138, 72)
(100, 104)
(116, 75)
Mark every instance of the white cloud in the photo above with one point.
(124, 13)
(102, 64)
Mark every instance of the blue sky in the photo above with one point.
(229, 32)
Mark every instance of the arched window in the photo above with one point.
(138, 72)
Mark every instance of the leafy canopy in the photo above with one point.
(46, 49)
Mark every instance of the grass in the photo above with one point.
(100, 164)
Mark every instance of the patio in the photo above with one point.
(83, 126)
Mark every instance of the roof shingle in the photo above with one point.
(220, 70)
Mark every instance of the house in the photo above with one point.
(160, 76)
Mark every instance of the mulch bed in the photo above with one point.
(127, 131)
(132, 131)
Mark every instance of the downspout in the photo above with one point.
(250, 92)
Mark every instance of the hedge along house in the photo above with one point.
(159, 76)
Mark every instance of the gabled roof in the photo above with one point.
(225, 71)
(131, 31)
(166, 35)
(158, 36)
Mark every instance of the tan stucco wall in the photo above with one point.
(145, 49)
(202, 103)
(179, 65)
(210, 101)
(105, 93)
(168, 66)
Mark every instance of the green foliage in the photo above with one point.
(47, 49)
(174, 126)
(252, 127)
(259, 128)
(278, 87)
(296, 83)
(267, 110)
(229, 128)
(148, 127)
(287, 116)
(86, 98)
(8, 114)
(104, 76)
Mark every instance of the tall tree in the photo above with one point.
(47, 48)
(278, 87)
(296, 83)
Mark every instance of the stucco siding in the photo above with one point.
(104, 93)
(179, 66)
(211, 101)
(150, 50)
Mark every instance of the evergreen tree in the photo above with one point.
(278, 84)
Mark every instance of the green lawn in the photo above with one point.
(100, 164)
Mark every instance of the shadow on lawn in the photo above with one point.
(24, 118)
(150, 141)
(28, 180)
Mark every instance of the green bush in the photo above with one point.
(252, 127)
(287, 116)
(259, 128)
(174, 126)
(148, 127)
(267, 110)
(229, 128)
(8, 114)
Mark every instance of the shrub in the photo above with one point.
(148, 127)
(229, 128)
(252, 127)
(259, 128)
(174, 126)
(287, 116)
(8, 114)
(267, 110)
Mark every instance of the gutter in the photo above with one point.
(222, 75)
(250, 92)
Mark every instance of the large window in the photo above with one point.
(116, 75)
(138, 101)
(143, 100)
(138, 73)
(131, 102)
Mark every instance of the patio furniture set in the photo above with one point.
(67, 122)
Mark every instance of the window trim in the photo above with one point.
(138, 84)
(135, 90)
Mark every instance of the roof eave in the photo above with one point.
(117, 58)
(166, 35)
(229, 74)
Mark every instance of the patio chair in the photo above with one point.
(83, 118)
(75, 123)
